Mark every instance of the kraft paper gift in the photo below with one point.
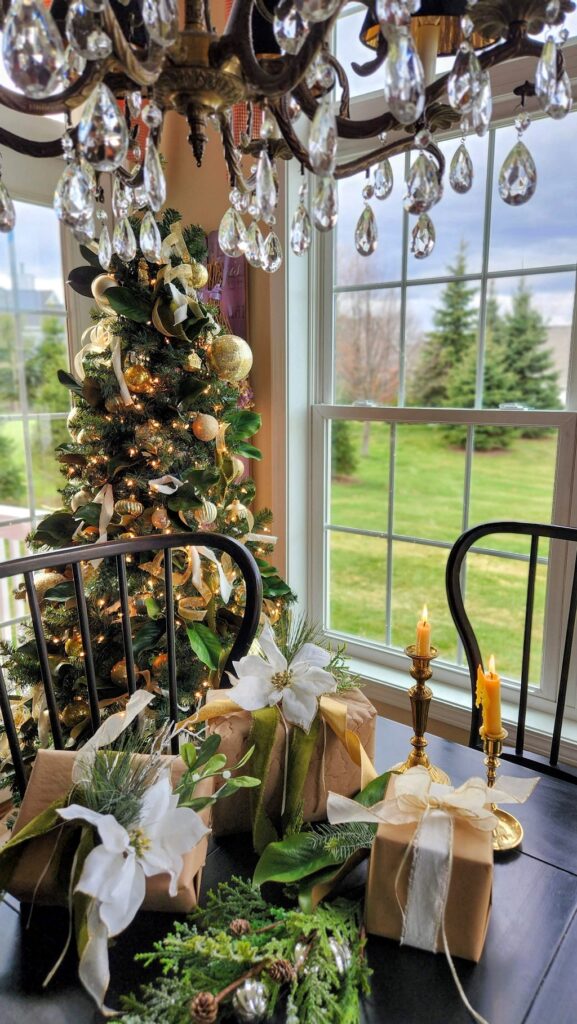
(36, 878)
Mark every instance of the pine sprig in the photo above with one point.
(342, 841)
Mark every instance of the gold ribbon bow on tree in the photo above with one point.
(102, 340)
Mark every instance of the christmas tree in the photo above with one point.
(161, 425)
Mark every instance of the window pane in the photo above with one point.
(419, 578)
(458, 219)
(429, 483)
(367, 332)
(349, 48)
(441, 331)
(528, 340)
(359, 474)
(13, 490)
(387, 262)
(357, 585)
(45, 434)
(542, 232)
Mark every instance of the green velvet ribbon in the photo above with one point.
(301, 746)
(44, 822)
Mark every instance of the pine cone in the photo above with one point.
(240, 926)
(203, 1008)
(282, 971)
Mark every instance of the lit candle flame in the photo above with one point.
(425, 614)
(492, 665)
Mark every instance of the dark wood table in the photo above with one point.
(526, 974)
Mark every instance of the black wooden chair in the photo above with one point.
(558, 535)
(117, 551)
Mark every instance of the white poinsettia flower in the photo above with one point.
(264, 682)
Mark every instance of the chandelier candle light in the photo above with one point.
(421, 654)
(509, 831)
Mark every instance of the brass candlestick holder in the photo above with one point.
(509, 832)
(420, 696)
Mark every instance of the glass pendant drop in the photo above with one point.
(7, 211)
(73, 199)
(323, 139)
(325, 206)
(121, 197)
(271, 253)
(383, 179)
(291, 31)
(265, 188)
(84, 32)
(424, 188)
(482, 108)
(301, 231)
(461, 171)
(319, 10)
(160, 19)
(546, 72)
(32, 48)
(104, 248)
(154, 180)
(232, 233)
(124, 241)
(404, 83)
(254, 245)
(518, 176)
(465, 79)
(366, 232)
(423, 237)
(102, 133)
(560, 98)
(149, 238)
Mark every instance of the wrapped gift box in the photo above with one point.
(36, 878)
(469, 896)
(331, 767)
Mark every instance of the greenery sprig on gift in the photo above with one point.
(239, 950)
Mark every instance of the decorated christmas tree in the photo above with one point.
(160, 433)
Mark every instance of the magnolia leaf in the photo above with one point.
(90, 257)
(89, 514)
(153, 609)
(116, 464)
(243, 422)
(201, 478)
(292, 859)
(184, 498)
(70, 382)
(274, 586)
(132, 305)
(91, 391)
(61, 592)
(148, 635)
(204, 643)
(374, 791)
(56, 530)
(248, 450)
(80, 280)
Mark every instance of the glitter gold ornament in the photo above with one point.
(205, 427)
(128, 507)
(43, 581)
(99, 287)
(75, 713)
(230, 357)
(159, 518)
(73, 646)
(199, 274)
(192, 362)
(205, 515)
(118, 672)
(158, 662)
(139, 379)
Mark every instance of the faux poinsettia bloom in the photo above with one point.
(264, 682)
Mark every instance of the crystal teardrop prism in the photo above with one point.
(149, 238)
(423, 237)
(265, 188)
(319, 10)
(560, 98)
(393, 13)
(232, 233)
(301, 231)
(121, 197)
(424, 188)
(518, 176)
(461, 171)
(291, 31)
(7, 211)
(124, 241)
(464, 81)
(383, 179)
(73, 199)
(546, 72)
(325, 207)
(102, 133)
(84, 32)
(104, 249)
(240, 200)
(160, 19)
(480, 113)
(366, 232)
(254, 245)
(323, 139)
(271, 253)
(404, 78)
(32, 48)
(154, 180)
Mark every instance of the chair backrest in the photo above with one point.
(118, 551)
(454, 584)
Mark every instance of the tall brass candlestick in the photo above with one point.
(509, 832)
(420, 696)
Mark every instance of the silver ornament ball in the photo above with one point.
(250, 1002)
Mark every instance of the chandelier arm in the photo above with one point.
(30, 147)
(66, 100)
(144, 73)
(231, 155)
(367, 69)
(344, 109)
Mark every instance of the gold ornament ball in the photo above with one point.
(90, 532)
(72, 421)
(114, 404)
(192, 362)
(159, 518)
(128, 507)
(236, 511)
(138, 379)
(99, 287)
(205, 515)
(205, 427)
(73, 646)
(118, 672)
(158, 662)
(231, 357)
(130, 535)
(199, 275)
(75, 713)
(44, 581)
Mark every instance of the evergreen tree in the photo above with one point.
(497, 389)
(449, 343)
(162, 416)
(344, 456)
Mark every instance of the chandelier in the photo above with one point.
(114, 68)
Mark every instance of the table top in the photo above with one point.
(525, 976)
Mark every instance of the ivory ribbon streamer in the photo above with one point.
(104, 498)
(101, 339)
(109, 731)
(174, 245)
(166, 484)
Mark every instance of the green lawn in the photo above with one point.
(429, 488)
(46, 470)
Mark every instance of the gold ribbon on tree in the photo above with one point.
(102, 339)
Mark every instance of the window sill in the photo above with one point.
(452, 706)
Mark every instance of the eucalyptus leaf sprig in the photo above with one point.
(204, 762)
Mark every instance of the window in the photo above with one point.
(411, 447)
